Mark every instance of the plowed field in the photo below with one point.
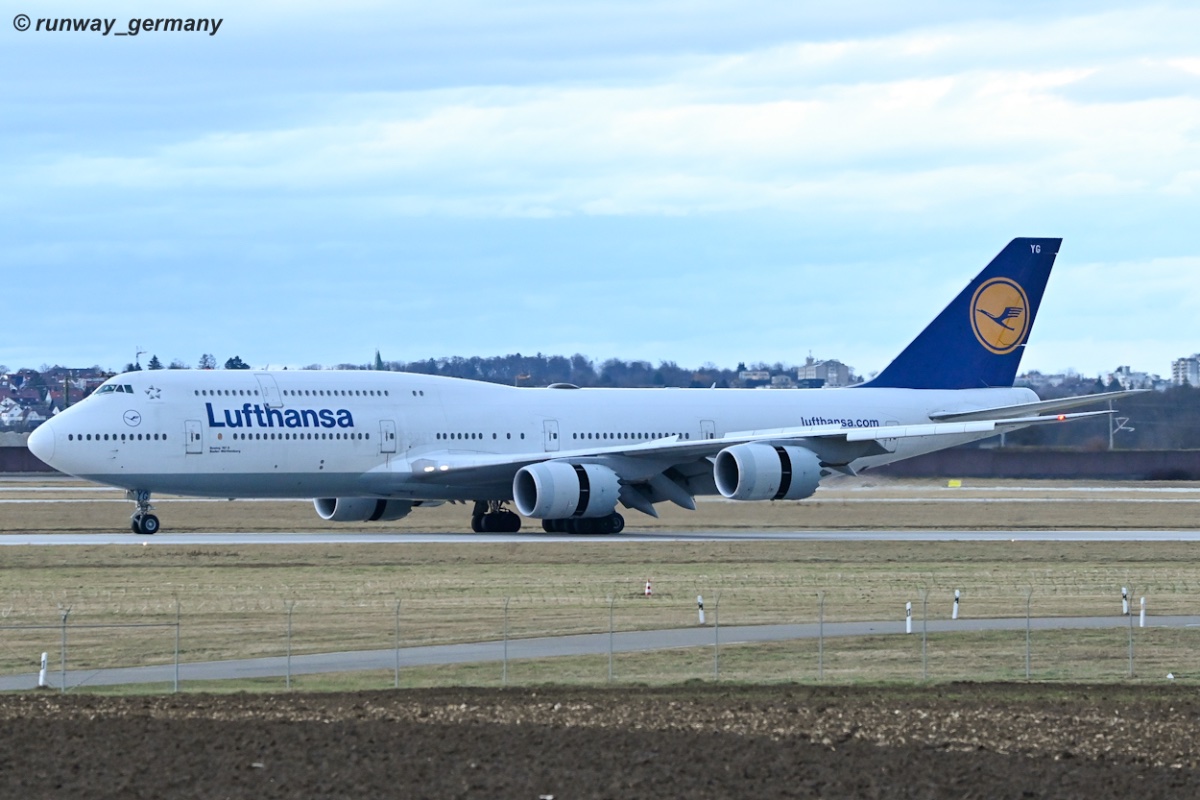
(959, 741)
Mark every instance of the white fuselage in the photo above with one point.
(363, 434)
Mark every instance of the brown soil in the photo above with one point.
(702, 741)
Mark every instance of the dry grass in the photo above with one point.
(232, 599)
(843, 504)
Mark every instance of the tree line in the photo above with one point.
(1154, 420)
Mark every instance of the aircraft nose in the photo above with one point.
(41, 442)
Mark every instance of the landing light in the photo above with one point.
(429, 469)
(444, 467)
(1062, 417)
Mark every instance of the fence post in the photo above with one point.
(396, 682)
(291, 604)
(821, 639)
(63, 654)
(178, 619)
(1131, 643)
(717, 638)
(504, 674)
(924, 634)
(1028, 601)
(611, 599)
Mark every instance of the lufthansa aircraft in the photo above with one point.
(375, 445)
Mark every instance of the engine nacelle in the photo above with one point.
(557, 490)
(766, 472)
(361, 509)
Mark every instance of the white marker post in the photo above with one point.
(1125, 601)
(42, 674)
(908, 617)
(954, 615)
(649, 590)
(700, 606)
(1142, 618)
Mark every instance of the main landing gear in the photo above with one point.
(490, 516)
(590, 526)
(142, 521)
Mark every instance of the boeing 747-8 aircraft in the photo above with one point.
(375, 445)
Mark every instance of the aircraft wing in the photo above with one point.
(1026, 409)
(834, 445)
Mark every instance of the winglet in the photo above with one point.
(978, 340)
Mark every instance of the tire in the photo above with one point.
(135, 523)
(509, 523)
(148, 526)
(477, 523)
(616, 524)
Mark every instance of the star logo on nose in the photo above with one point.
(153, 392)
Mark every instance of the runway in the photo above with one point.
(325, 538)
(593, 644)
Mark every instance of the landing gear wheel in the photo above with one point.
(615, 523)
(142, 521)
(490, 516)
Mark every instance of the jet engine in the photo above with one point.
(557, 490)
(766, 472)
(361, 509)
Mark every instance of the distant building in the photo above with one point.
(1186, 370)
(832, 373)
(751, 378)
(1128, 379)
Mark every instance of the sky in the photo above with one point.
(693, 181)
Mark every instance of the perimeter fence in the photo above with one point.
(752, 633)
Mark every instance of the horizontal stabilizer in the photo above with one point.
(1027, 409)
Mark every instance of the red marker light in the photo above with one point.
(1062, 417)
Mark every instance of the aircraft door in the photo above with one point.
(270, 390)
(550, 431)
(387, 436)
(708, 429)
(193, 435)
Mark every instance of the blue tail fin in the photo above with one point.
(979, 338)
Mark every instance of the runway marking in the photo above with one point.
(816, 500)
(321, 538)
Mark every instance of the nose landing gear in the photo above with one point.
(142, 522)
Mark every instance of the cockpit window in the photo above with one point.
(115, 387)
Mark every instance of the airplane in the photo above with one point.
(374, 445)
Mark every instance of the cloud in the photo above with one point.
(803, 151)
(906, 123)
